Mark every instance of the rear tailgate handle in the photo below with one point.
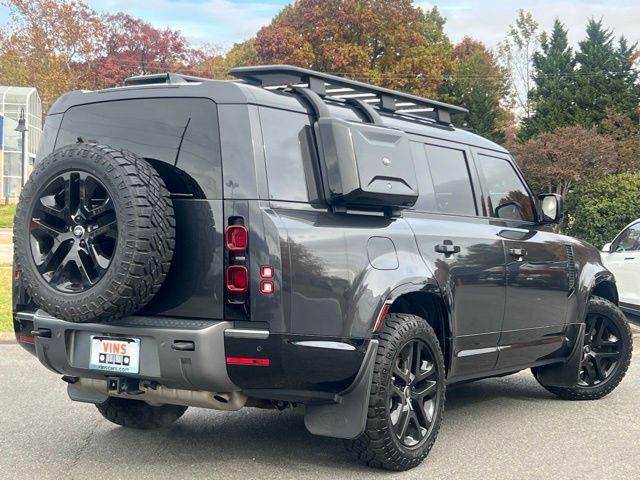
(41, 333)
(183, 346)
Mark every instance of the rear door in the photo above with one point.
(464, 251)
(537, 264)
(624, 262)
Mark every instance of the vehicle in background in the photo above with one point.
(622, 257)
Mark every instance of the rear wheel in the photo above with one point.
(138, 414)
(407, 396)
(606, 355)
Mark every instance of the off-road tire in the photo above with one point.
(138, 414)
(145, 243)
(579, 392)
(379, 446)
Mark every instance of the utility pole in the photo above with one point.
(22, 128)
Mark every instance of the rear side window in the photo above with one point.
(451, 182)
(505, 194)
(290, 163)
(177, 131)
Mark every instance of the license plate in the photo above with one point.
(115, 354)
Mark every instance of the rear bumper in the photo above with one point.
(300, 369)
(65, 350)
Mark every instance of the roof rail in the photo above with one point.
(273, 76)
(162, 78)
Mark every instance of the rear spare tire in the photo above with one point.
(94, 233)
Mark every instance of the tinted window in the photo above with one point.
(505, 194)
(427, 198)
(452, 190)
(290, 166)
(156, 129)
(629, 240)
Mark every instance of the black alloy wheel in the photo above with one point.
(73, 231)
(412, 396)
(602, 350)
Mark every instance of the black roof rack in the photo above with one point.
(162, 78)
(274, 76)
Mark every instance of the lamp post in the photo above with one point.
(22, 128)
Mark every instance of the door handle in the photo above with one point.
(517, 252)
(448, 248)
(629, 258)
(41, 333)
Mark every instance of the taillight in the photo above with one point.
(237, 238)
(266, 287)
(380, 320)
(266, 271)
(28, 339)
(237, 279)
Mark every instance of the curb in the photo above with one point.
(7, 338)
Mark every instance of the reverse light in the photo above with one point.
(267, 287)
(255, 362)
(237, 238)
(237, 279)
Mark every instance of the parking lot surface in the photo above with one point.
(498, 428)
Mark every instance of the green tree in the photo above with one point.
(604, 79)
(597, 211)
(476, 81)
(390, 43)
(553, 93)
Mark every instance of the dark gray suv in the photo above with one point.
(296, 239)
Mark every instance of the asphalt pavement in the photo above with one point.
(507, 428)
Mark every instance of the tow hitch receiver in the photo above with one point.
(120, 385)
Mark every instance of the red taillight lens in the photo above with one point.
(256, 362)
(28, 339)
(237, 279)
(237, 238)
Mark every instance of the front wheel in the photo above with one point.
(606, 356)
(407, 396)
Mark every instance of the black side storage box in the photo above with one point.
(365, 164)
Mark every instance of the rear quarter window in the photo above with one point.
(291, 165)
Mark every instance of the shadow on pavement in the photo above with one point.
(211, 440)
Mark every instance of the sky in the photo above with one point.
(224, 22)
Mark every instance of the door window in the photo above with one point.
(505, 194)
(449, 172)
(628, 240)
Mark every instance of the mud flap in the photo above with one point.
(564, 374)
(348, 416)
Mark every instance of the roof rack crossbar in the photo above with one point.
(386, 99)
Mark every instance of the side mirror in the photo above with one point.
(550, 207)
(607, 248)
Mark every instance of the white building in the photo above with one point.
(12, 101)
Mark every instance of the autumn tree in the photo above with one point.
(572, 155)
(624, 131)
(49, 44)
(216, 64)
(393, 44)
(134, 47)
(475, 80)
